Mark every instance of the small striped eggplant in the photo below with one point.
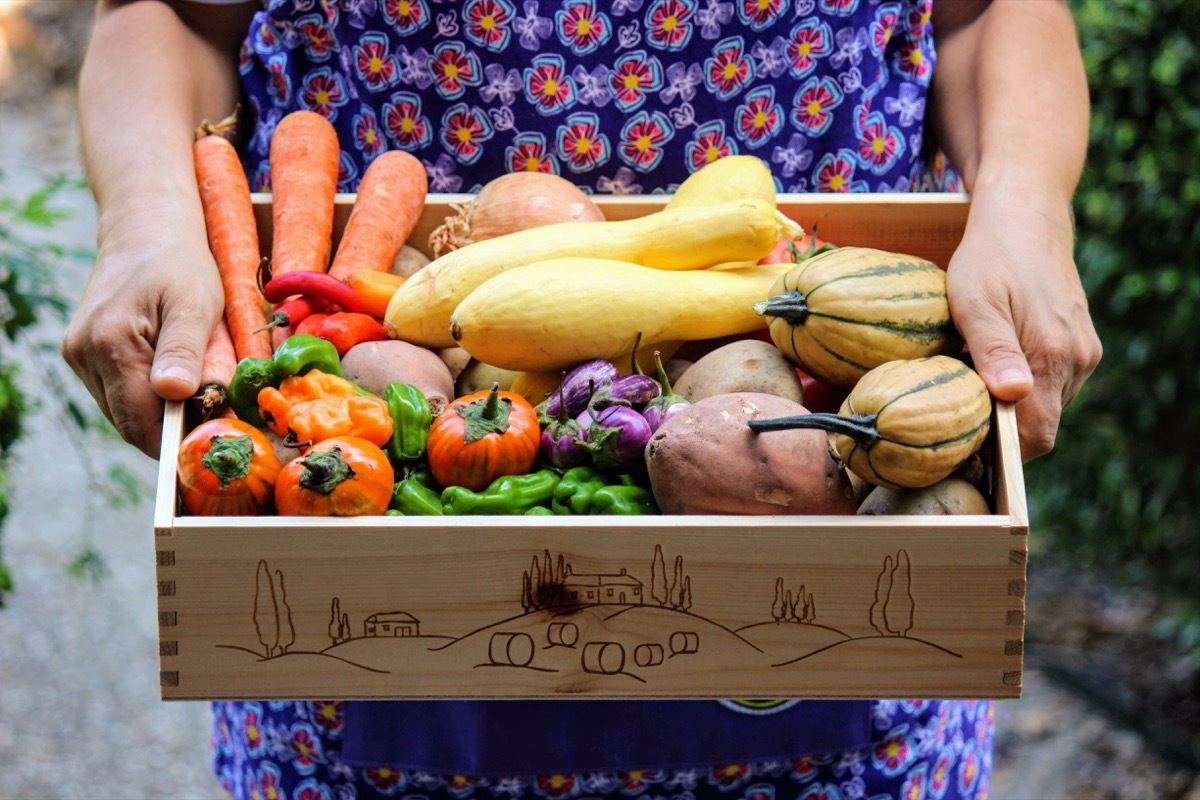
(577, 389)
(562, 444)
(659, 409)
(615, 436)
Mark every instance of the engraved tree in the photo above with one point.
(339, 623)
(266, 610)
(659, 591)
(892, 612)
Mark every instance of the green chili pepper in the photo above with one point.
(391, 512)
(573, 495)
(510, 494)
(411, 418)
(250, 377)
(303, 352)
(414, 499)
(626, 500)
(539, 511)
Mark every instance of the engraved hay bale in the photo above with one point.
(564, 634)
(684, 643)
(606, 658)
(511, 649)
(648, 655)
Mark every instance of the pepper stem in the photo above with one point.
(791, 306)
(325, 471)
(859, 427)
(228, 457)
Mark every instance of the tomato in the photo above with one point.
(343, 476)
(227, 467)
(807, 246)
(820, 396)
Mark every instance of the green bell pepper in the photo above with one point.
(625, 500)
(509, 494)
(251, 376)
(574, 492)
(411, 418)
(300, 353)
(412, 498)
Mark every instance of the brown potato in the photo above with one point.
(478, 375)
(748, 365)
(948, 496)
(408, 261)
(705, 460)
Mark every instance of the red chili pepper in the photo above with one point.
(346, 329)
(312, 285)
(295, 311)
(312, 324)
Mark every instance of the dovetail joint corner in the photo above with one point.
(168, 619)
(165, 558)
(168, 677)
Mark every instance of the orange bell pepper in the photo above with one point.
(316, 406)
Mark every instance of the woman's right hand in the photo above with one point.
(139, 333)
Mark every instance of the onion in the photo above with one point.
(514, 202)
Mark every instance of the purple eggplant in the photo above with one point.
(631, 390)
(578, 386)
(562, 441)
(615, 436)
(659, 409)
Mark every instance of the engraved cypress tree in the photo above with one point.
(658, 577)
(266, 612)
(287, 632)
(883, 587)
(778, 610)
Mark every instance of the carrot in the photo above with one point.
(232, 236)
(374, 289)
(389, 202)
(220, 362)
(304, 170)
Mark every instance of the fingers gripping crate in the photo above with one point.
(663, 607)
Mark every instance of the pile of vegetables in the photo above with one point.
(352, 377)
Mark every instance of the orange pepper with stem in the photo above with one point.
(310, 408)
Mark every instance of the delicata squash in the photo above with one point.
(907, 423)
(843, 312)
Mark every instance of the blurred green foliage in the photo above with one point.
(1121, 491)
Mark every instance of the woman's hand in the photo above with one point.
(1016, 297)
(139, 333)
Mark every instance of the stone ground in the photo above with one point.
(80, 715)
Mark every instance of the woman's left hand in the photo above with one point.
(1016, 297)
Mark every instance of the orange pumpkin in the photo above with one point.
(343, 476)
(227, 468)
(483, 436)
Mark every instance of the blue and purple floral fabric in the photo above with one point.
(923, 750)
(620, 96)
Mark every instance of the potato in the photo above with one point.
(373, 365)
(748, 365)
(455, 358)
(948, 496)
(675, 368)
(408, 261)
(478, 375)
(705, 460)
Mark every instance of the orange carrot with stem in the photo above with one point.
(220, 362)
(304, 170)
(232, 236)
(389, 202)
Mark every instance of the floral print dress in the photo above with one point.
(619, 96)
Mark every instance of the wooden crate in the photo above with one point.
(386, 607)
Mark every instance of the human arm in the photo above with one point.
(1010, 109)
(152, 72)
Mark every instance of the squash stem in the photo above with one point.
(791, 306)
(859, 427)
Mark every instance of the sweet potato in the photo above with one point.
(373, 365)
(747, 365)
(705, 460)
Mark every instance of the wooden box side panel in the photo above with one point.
(670, 607)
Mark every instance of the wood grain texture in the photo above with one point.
(559, 607)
